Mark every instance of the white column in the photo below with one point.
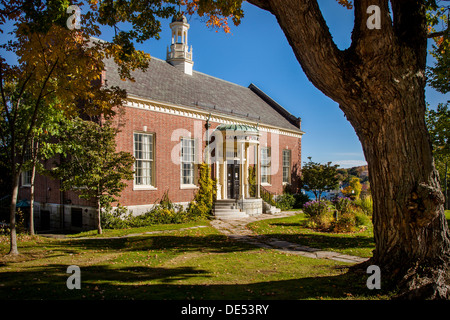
(241, 168)
(218, 184)
(258, 171)
(224, 179)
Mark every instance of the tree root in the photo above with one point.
(425, 284)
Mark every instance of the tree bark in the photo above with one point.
(379, 83)
(34, 152)
(12, 214)
(31, 218)
(99, 219)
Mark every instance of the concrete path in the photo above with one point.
(236, 229)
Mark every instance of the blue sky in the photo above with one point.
(257, 52)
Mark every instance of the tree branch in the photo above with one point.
(262, 4)
(36, 108)
(309, 36)
(438, 33)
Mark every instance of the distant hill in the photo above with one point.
(362, 172)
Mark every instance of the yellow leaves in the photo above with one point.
(64, 68)
(216, 22)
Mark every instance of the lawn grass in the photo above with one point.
(293, 229)
(185, 264)
(123, 232)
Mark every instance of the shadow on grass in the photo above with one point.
(148, 283)
(215, 243)
(103, 280)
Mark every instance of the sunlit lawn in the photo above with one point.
(191, 264)
(293, 229)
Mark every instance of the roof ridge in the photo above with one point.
(226, 81)
(296, 121)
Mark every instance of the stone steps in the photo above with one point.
(227, 209)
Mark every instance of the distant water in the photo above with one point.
(324, 195)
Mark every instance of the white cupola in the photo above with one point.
(178, 53)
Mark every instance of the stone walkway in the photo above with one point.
(236, 229)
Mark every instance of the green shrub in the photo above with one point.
(315, 207)
(252, 181)
(348, 217)
(201, 206)
(342, 205)
(300, 200)
(319, 214)
(345, 223)
(285, 201)
(362, 220)
(366, 205)
(114, 218)
(164, 212)
(352, 220)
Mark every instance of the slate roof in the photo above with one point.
(166, 84)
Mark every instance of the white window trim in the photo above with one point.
(289, 166)
(185, 186)
(145, 186)
(188, 186)
(269, 176)
(22, 179)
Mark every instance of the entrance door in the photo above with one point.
(233, 180)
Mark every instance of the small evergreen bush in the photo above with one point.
(202, 205)
(300, 200)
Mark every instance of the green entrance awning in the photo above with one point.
(237, 127)
(23, 204)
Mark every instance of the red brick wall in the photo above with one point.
(167, 173)
(47, 190)
(277, 143)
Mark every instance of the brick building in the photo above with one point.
(176, 118)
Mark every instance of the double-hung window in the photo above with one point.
(286, 166)
(26, 175)
(26, 178)
(144, 159)
(187, 161)
(265, 165)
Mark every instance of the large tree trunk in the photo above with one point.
(379, 84)
(410, 229)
